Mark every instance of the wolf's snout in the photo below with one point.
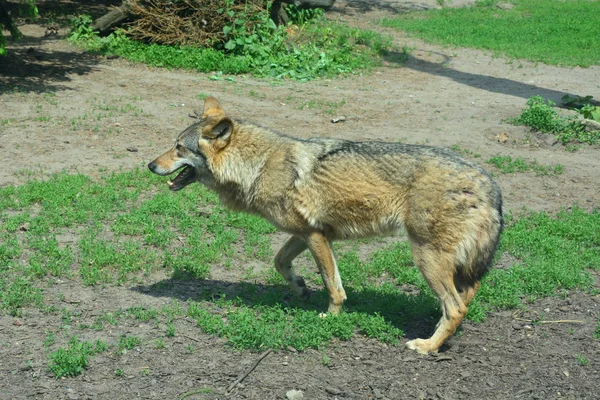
(152, 166)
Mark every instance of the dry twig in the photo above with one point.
(248, 371)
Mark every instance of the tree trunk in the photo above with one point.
(280, 17)
(108, 22)
(312, 3)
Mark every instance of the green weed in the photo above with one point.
(170, 330)
(552, 32)
(508, 165)
(319, 48)
(582, 105)
(71, 361)
(143, 314)
(464, 151)
(50, 339)
(542, 117)
(17, 293)
(330, 107)
(128, 343)
(581, 360)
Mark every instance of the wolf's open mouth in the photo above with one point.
(184, 178)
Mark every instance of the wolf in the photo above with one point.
(321, 190)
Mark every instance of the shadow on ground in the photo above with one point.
(388, 6)
(415, 314)
(484, 82)
(29, 68)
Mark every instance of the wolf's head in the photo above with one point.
(196, 148)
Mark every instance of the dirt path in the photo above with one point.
(62, 109)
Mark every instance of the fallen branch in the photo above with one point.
(538, 322)
(192, 338)
(559, 321)
(245, 374)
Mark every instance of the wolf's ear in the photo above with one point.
(219, 133)
(212, 108)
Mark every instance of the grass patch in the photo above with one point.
(552, 32)
(128, 343)
(542, 117)
(314, 48)
(464, 151)
(508, 165)
(71, 361)
(555, 253)
(126, 225)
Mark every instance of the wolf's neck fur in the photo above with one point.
(243, 164)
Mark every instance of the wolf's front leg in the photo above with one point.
(283, 263)
(322, 252)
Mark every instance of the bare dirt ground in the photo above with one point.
(62, 109)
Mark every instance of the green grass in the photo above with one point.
(319, 48)
(464, 151)
(541, 116)
(508, 165)
(71, 361)
(126, 226)
(552, 32)
(128, 343)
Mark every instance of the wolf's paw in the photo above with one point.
(299, 287)
(422, 346)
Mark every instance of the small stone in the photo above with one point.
(132, 149)
(294, 394)
(502, 137)
(505, 6)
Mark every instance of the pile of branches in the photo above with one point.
(197, 23)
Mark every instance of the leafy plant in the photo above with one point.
(254, 44)
(26, 8)
(128, 343)
(541, 116)
(581, 360)
(71, 361)
(301, 16)
(590, 112)
(81, 29)
(583, 105)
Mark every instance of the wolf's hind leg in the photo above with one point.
(438, 269)
(283, 263)
(468, 292)
(321, 251)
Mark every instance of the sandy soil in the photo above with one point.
(62, 109)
